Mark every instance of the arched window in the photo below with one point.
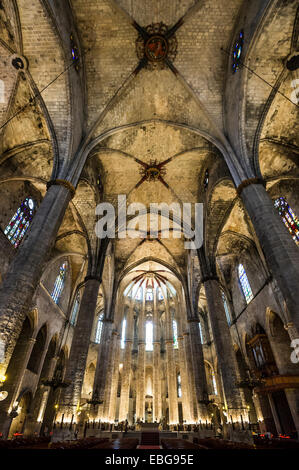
(289, 218)
(245, 283)
(59, 284)
(149, 336)
(138, 294)
(214, 384)
(160, 294)
(20, 222)
(200, 332)
(179, 385)
(75, 310)
(37, 351)
(99, 329)
(149, 295)
(123, 334)
(226, 308)
(237, 51)
(206, 180)
(175, 334)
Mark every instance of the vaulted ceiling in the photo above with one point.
(139, 114)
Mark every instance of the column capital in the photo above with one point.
(66, 184)
(289, 325)
(248, 182)
(169, 341)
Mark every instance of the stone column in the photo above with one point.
(292, 395)
(140, 386)
(191, 379)
(292, 330)
(52, 367)
(186, 396)
(227, 361)
(34, 423)
(109, 375)
(140, 392)
(13, 389)
(114, 379)
(102, 361)
(274, 414)
(126, 374)
(25, 270)
(200, 379)
(185, 378)
(171, 369)
(76, 366)
(157, 401)
(281, 253)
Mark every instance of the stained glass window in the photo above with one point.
(99, 328)
(123, 334)
(214, 383)
(237, 51)
(138, 294)
(175, 334)
(160, 295)
(245, 284)
(20, 222)
(206, 180)
(179, 384)
(149, 295)
(289, 218)
(149, 336)
(227, 312)
(75, 52)
(75, 309)
(59, 284)
(200, 332)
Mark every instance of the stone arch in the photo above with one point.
(38, 350)
(149, 381)
(88, 381)
(16, 366)
(280, 343)
(20, 413)
(243, 372)
(53, 394)
(33, 318)
(210, 374)
(39, 399)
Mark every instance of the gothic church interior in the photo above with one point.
(159, 101)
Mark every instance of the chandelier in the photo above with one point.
(55, 383)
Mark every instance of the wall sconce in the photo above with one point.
(2, 379)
